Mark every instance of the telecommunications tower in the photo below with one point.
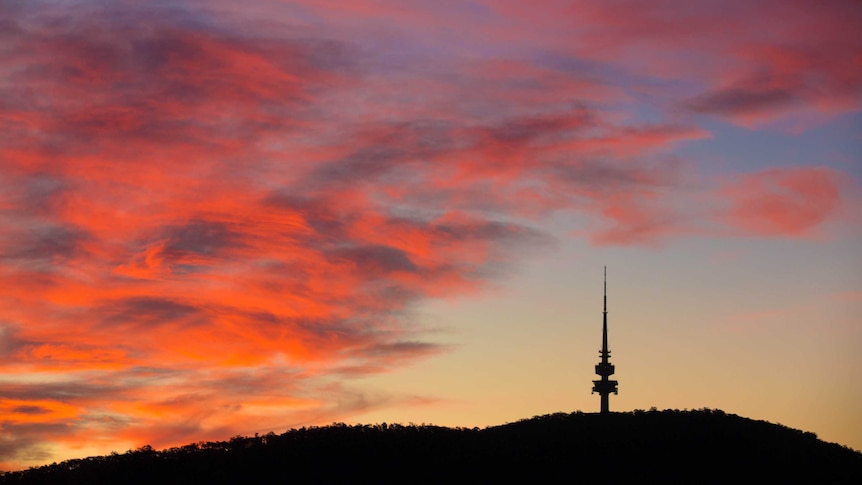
(605, 369)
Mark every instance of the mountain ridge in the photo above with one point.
(702, 446)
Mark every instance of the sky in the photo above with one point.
(220, 218)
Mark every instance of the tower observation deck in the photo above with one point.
(604, 368)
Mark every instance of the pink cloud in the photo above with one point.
(783, 202)
(750, 63)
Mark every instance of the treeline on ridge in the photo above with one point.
(644, 446)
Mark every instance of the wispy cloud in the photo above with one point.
(786, 201)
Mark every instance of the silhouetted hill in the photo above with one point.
(702, 446)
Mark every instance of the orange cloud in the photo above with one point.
(35, 411)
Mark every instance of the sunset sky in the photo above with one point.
(222, 218)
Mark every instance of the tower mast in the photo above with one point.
(605, 369)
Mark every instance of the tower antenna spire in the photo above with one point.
(605, 369)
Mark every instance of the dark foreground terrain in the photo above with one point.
(703, 446)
